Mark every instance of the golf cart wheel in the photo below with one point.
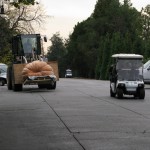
(142, 93)
(120, 93)
(111, 93)
(2, 82)
(135, 95)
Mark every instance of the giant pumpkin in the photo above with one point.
(37, 68)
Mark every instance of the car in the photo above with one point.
(146, 72)
(68, 73)
(3, 74)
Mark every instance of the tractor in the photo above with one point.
(26, 51)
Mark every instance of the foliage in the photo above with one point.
(5, 36)
(57, 52)
(27, 18)
(113, 27)
(24, 2)
(146, 22)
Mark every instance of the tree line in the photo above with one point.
(113, 27)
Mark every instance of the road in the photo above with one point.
(78, 115)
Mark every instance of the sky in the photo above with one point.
(65, 14)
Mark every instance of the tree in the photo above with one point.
(145, 13)
(5, 36)
(24, 2)
(26, 18)
(146, 22)
(15, 3)
(112, 28)
(57, 52)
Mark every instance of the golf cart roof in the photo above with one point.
(127, 56)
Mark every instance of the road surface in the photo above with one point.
(78, 115)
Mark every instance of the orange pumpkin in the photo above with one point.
(37, 68)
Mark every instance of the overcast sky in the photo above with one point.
(66, 13)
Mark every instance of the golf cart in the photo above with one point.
(126, 76)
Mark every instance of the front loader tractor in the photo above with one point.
(29, 66)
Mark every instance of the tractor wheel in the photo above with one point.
(9, 78)
(51, 86)
(54, 86)
(41, 86)
(15, 87)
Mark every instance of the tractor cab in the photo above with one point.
(26, 47)
(126, 76)
(28, 66)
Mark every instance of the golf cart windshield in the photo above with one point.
(129, 69)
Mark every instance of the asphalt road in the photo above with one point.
(78, 115)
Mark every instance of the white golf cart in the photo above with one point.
(126, 76)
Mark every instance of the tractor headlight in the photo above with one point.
(31, 77)
(52, 76)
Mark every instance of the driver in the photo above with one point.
(27, 47)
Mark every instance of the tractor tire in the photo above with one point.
(15, 87)
(51, 86)
(54, 86)
(41, 86)
(9, 78)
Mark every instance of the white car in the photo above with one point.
(3, 74)
(146, 72)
